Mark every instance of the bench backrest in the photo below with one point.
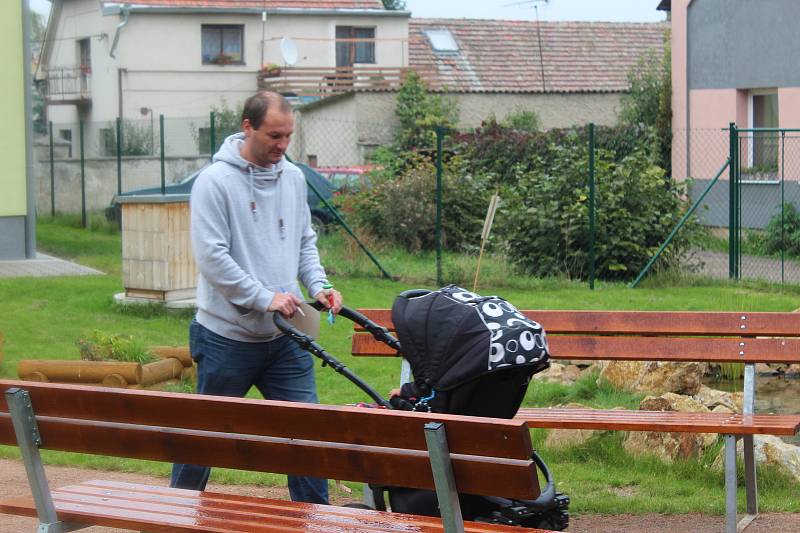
(647, 335)
(489, 456)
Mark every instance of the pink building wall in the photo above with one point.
(699, 146)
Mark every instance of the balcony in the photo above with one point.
(329, 81)
(67, 86)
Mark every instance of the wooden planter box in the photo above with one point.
(157, 260)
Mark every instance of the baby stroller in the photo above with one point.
(470, 355)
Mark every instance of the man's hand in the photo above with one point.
(330, 296)
(285, 303)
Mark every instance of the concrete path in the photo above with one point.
(715, 264)
(44, 266)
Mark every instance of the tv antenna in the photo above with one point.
(535, 5)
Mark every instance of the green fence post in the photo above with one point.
(212, 120)
(783, 200)
(439, 139)
(732, 140)
(161, 137)
(592, 231)
(119, 155)
(83, 177)
(52, 172)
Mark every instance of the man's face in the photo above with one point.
(267, 144)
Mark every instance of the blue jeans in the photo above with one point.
(279, 369)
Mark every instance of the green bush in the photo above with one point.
(787, 240)
(402, 210)
(546, 221)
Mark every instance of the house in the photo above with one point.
(17, 212)
(105, 59)
(568, 73)
(733, 61)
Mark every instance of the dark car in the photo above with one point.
(320, 215)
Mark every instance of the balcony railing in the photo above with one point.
(329, 81)
(67, 85)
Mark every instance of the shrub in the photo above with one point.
(787, 240)
(402, 211)
(100, 346)
(546, 219)
(419, 113)
(522, 121)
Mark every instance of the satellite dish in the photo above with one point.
(288, 51)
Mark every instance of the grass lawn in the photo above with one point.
(44, 318)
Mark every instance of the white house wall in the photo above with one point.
(161, 58)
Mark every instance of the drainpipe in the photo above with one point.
(126, 11)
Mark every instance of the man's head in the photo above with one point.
(268, 124)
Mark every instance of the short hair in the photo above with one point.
(256, 107)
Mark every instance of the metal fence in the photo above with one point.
(81, 167)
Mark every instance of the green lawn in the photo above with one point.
(43, 318)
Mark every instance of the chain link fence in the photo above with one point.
(81, 167)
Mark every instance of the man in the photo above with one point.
(252, 240)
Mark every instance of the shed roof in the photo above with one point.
(505, 56)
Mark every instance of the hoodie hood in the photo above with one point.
(230, 153)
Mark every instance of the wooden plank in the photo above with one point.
(670, 421)
(134, 506)
(608, 348)
(510, 478)
(650, 322)
(348, 425)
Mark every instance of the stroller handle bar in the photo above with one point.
(308, 344)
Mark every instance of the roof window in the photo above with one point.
(442, 41)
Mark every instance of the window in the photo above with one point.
(108, 142)
(764, 152)
(354, 45)
(66, 135)
(222, 44)
(442, 41)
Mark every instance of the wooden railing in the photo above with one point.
(329, 81)
(68, 85)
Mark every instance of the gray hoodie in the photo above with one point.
(251, 237)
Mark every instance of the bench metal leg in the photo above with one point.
(750, 478)
(730, 484)
(443, 477)
(29, 440)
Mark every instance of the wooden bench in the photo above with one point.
(444, 453)
(721, 337)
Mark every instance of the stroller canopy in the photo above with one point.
(452, 336)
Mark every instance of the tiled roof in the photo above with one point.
(268, 4)
(504, 55)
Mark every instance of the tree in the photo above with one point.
(394, 5)
(419, 112)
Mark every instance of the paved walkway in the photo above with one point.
(715, 264)
(44, 266)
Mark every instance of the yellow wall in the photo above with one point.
(12, 111)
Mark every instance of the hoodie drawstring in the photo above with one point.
(252, 192)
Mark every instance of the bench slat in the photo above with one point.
(352, 425)
(512, 478)
(133, 506)
(673, 421)
(606, 348)
(714, 323)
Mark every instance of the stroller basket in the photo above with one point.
(549, 510)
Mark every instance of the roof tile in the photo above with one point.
(504, 55)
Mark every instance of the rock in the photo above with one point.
(712, 398)
(670, 446)
(564, 438)
(769, 450)
(793, 371)
(558, 373)
(654, 377)
(621, 374)
(763, 369)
